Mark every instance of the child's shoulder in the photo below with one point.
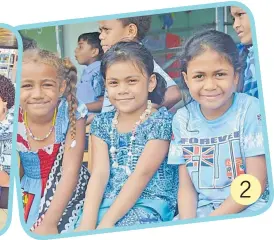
(162, 114)
(63, 109)
(186, 110)
(105, 117)
(244, 100)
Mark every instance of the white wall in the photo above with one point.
(71, 33)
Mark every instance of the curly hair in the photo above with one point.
(7, 91)
(65, 71)
(142, 23)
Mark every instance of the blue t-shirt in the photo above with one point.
(91, 85)
(214, 151)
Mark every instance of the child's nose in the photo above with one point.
(236, 23)
(123, 88)
(101, 37)
(210, 84)
(37, 93)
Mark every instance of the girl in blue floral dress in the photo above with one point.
(131, 182)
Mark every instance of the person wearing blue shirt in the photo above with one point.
(90, 88)
(241, 25)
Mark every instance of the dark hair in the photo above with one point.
(93, 40)
(7, 91)
(142, 23)
(217, 41)
(28, 43)
(200, 42)
(140, 56)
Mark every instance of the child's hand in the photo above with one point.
(44, 229)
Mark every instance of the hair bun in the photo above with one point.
(69, 65)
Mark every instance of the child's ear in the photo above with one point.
(185, 79)
(133, 31)
(236, 79)
(152, 83)
(95, 52)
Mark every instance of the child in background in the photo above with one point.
(50, 142)
(28, 43)
(135, 29)
(131, 182)
(218, 135)
(90, 88)
(241, 25)
(7, 96)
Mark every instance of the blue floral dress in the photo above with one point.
(158, 201)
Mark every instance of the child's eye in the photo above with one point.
(132, 81)
(241, 14)
(221, 74)
(112, 83)
(26, 86)
(198, 77)
(47, 85)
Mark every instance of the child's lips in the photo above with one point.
(38, 104)
(211, 97)
(240, 33)
(124, 100)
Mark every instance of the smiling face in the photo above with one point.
(40, 89)
(128, 87)
(241, 25)
(211, 80)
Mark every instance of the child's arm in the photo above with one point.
(97, 183)
(72, 161)
(150, 160)
(96, 106)
(256, 167)
(98, 86)
(187, 195)
(173, 94)
(4, 179)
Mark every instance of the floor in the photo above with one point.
(3, 217)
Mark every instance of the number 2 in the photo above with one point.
(242, 195)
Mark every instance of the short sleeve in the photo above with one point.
(81, 111)
(168, 79)
(175, 155)
(162, 129)
(253, 142)
(63, 121)
(100, 125)
(98, 84)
